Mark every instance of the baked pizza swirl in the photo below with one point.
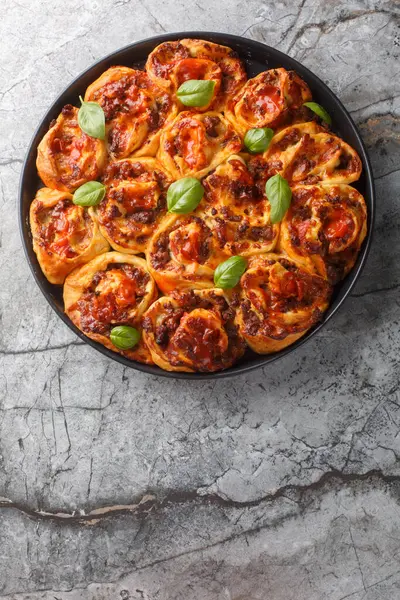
(63, 234)
(324, 228)
(134, 203)
(183, 253)
(67, 157)
(272, 99)
(172, 63)
(279, 301)
(237, 210)
(112, 289)
(135, 109)
(194, 144)
(306, 153)
(192, 331)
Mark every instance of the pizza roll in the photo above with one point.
(306, 153)
(112, 289)
(192, 331)
(279, 301)
(63, 234)
(135, 109)
(271, 99)
(238, 211)
(325, 227)
(183, 253)
(172, 63)
(134, 203)
(67, 157)
(194, 144)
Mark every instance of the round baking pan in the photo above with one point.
(257, 57)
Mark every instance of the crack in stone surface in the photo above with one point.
(151, 503)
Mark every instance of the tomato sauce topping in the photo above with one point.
(189, 143)
(64, 227)
(338, 225)
(200, 337)
(188, 243)
(111, 297)
(134, 197)
(196, 68)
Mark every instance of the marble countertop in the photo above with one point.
(282, 484)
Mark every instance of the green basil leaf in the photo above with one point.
(279, 195)
(258, 139)
(89, 194)
(184, 195)
(320, 111)
(91, 119)
(196, 92)
(124, 337)
(228, 273)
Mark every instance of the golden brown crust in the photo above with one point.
(325, 227)
(306, 153)
(67, 157)
(279, 301)
(183, 253)
(63, 234)
(112, 289)
(194, 144)
(134, 204)
(172, 63)
(192, 331)
(271, 99)
(237, 211)
(135, 108)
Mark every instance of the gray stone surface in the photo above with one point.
(282, 484)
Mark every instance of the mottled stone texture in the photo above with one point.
(279, 485)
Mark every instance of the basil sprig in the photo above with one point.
(196, 92)
(279, 195)
(89, 194)
(228, 273)
(91, 119)
(184, 195)
(124, 336)
(258, 139)
(320, 111)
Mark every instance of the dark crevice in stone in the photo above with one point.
(38, 350)
(326, 26)
(150, 503)
(387, 174)
(377, 291)
(10, 161)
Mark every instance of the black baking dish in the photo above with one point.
(257, 57)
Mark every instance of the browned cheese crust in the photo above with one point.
(134, 204)
(194, 144)
(64, 236)
(278, 302)
(184, 253)
(237, 210)
(135, 108)
(192, 331)
(172, 63)
(272, 99)
(67, 157)
(306, 153)
(112, 289)
(325, 227)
